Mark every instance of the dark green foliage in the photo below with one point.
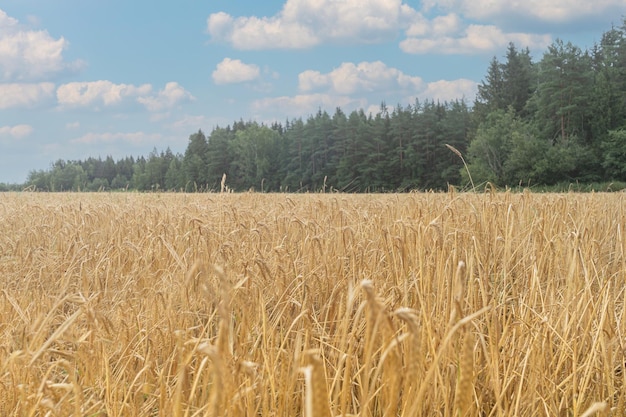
(489, 152)
(614, 153)
(255, 162)
(564, 85)
(509, 84)
(560, 120)
(219, 155)
(195, 163)
(568, 129)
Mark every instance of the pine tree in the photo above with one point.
(562, 96)
(195, 162)
(519, 80)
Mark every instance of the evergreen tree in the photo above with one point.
(140, 180)
(561, 119)
(614, 155)
(401, 157)
(563, 92)
(380, 149)
(175, 177)
(491, 95)
(430, 144)
(454, 132)
(353, 134)
(296, 160)
(519, 78)
(195, 162)
(508, 84)
(254, 157)
(219, 156)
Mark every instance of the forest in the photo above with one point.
(559, 120)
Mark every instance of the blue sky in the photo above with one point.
(83, 78)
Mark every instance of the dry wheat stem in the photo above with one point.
(111, 305)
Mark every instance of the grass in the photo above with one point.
(495, 304)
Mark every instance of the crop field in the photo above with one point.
(315, 305)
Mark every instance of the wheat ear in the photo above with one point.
(465, 385)
(316, 390)
(458, 153)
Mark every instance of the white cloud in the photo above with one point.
(220, 25)
(27, 55)
(439, 26)
(24, 95)
(171, 95)
(135, 138)
(98, 92)
(157, 117)
(306, 23)
(372, 109)
(364, 77)
(234, 71)
(72, 125)
(444, 90)
(16, 132)
(351, 85)
(299, 105)
(312, 80)
(474, 39)
(263, 33)
(443, 25)
(554, 11)
(191, 123)
(104, 92)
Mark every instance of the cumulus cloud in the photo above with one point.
(554, 11)
(350, 86)
(439, 26)
(191, 123)
(444, 90)
(24, 95)
(296, 106)
(231, 71)
(27, 55)
(364, 77)
(104, 92)
(98, 92)
(135, 138)
(474, 39)
(170, 96)
(16, 131)
(259, 33)
(306, 23)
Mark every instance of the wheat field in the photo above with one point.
(315, 305)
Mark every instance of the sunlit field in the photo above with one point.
(312, 305)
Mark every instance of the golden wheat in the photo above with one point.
(494, 304)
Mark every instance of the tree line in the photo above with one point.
(394, 150)
(561, 119)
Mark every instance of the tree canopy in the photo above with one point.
(560, 119)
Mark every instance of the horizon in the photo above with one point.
(117, 79)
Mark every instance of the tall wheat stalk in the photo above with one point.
(458, 153)
(110, 304)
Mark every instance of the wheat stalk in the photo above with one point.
(316, 390)
(458, 153)
(109, 304)
(465, 387)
